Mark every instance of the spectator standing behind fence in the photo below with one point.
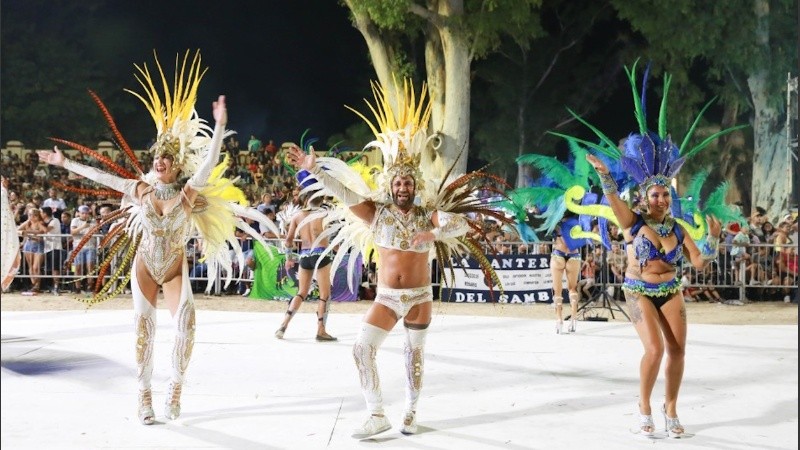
(198, 269)
(740, 243)
(769, 232)
(782, 239)
(617, 260)
(55, 202)
(84, 261)
(588, 274)
(501, 245)
(786, 255)
(66, 239)
(760, 265)
(756, 220)
(689, 292)
(53, 250)
(792, 219)
(33, 230)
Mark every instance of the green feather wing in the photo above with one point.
(550, 167)
(715, 205)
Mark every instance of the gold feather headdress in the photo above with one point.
(180, 132)
(401, 133)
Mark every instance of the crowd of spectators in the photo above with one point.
(33, 188)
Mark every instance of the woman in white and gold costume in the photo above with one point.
(165, 212)
(10, 262)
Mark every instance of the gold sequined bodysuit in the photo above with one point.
(394, 230)
(163, 238)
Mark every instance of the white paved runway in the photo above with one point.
(68, 382)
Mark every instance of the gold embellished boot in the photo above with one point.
(146, 414)
(172, 409)
(145, 325)
(414, 351)
(181, 354)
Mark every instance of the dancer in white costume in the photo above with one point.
(163, 216)
(404, 234)
(10, 262)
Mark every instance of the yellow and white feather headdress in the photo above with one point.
(180, 132)
(401, 134)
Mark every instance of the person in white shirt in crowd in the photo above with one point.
(53, 250)
(53, 201)
(84, 262)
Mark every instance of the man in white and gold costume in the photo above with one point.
(404, 235)
(163, 213)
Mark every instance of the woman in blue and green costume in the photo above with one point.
(657, 245)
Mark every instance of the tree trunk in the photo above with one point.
(448, 61)
(379, 50)
(771, 174)
(734, 156)
(454, 126)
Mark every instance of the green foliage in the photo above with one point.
(720, 37)
(355, 137)
(387, 14)
(488, 24)
(520, 92)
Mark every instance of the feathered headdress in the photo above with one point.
(180, 132)
(692, 208)
(402, 135)
(649, 157)
(548, 193)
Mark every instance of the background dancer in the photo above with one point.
(312, 265)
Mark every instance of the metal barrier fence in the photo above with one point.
(761, 272)
(54, 269)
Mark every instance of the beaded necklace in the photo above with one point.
(166, 191)
(663, 228)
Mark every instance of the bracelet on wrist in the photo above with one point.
(608, 183)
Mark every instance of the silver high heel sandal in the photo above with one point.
(146, 414)
(672, 425)
(572, 326)
(646, 425)
(173, 407)
(559, 327)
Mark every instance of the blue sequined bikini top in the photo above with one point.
(645, 250)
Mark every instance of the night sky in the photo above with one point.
(284, 65)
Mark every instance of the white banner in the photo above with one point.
(524, 279)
